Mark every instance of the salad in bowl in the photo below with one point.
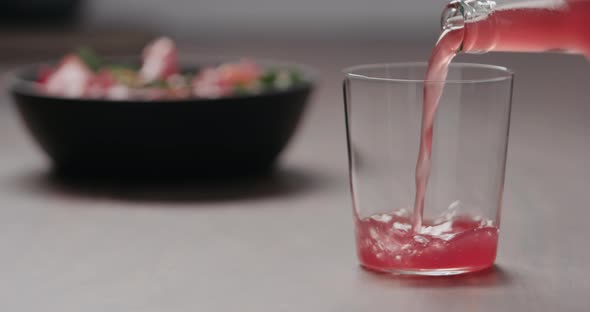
(154, 115)
(158, 76)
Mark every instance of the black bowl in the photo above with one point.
(233, 136)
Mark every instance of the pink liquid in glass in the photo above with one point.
(400, 242)
(388, 242)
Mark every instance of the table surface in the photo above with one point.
(286, 243)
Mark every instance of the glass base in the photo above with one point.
(426, 272)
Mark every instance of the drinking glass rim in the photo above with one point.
(503, 72)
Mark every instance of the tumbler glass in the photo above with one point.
(462, 202)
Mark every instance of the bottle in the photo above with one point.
(520, 25)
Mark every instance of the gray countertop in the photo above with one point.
(286, 243)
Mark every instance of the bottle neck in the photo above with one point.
(473, 10)
(459, 12)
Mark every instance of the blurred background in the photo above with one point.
(86, 248)
(377, 19)
(126, 24)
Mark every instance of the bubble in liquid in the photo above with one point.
(382, 218)
(421, 240)
(402, 226)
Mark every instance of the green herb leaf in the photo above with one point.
(296, 77)
(90, 58)
(268, 78)
(162, 84)
(241, 90)
(123, 67)
(124, 75)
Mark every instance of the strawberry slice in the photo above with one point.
(70, 78)
(160, 60)
(44, 73)
(225, 79)
(100, 84)
(209, 83)
(105, 85)
(242, 73)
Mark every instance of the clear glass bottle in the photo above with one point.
(520, 25)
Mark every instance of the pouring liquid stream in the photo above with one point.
(404, 240)
(525, 26)
(441, 57)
